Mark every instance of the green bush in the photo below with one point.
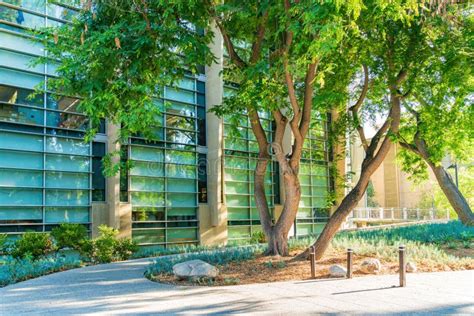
(69, 235)
(258, 237)
(32, 245)
(107, 247)
(3, 244)
(126, 247)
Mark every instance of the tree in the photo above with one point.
(394, 37)
(440, 114)
(116, 54)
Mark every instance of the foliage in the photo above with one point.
(164, 265)
(258, 237)
(69, 235)
(117, 54)
(16, 270)
(158, 252)
(3, 243)
(107, 247)
(32, 245)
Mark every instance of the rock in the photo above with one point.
(371, 266)
(195, 269)
(337, 271)
(410, 267)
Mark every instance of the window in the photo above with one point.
(98, 178)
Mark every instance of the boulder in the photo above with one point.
(410, 267)
(371, 266)
(337, 271)
(194, 269)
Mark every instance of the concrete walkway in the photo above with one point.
(120, 288)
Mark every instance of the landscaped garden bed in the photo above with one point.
(431, 247)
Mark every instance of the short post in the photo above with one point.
(417, 213)
(405, 213)
(392, 213)
(312, 259)
(381, 210)
(349, 263)
(402, 266)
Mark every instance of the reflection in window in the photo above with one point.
(98, 178)
(16, 95)
(63, 103)
(19, 114)
(67, 120)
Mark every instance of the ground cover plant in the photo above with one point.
(432, 247)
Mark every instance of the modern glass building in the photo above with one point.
(191, 185)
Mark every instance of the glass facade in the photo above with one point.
(313, 212)
(45, 167)
(49, 175)
(240, 159)
(163, 182)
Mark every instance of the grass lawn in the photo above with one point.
(432, 247)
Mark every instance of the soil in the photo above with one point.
(265, 269)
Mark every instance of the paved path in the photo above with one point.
(120, 288)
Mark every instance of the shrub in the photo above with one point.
(258, 237)
(107, 247)
(3, 244)
(126, 247)
(69, 235)
(103, 247)
(34, 245)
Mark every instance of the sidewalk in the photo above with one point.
(120, 288)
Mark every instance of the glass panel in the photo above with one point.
(184, 123)
(19, 78)
(179, 212)
(71, 215)
(22, 160)
(20, 96)
(22, 18)
(67, 163)
(21, 213)
(17, 196)
(181, 137)
(147, 199)
(237, 187)
(66, 120)
(66, 146)
(176, 235)
(19, 61)
(147, 184)
(147, 169)
(236, 200)
(237, 213)
(67, 197)
(179, 95)
(63, 103)
(60, 12)
(20, 44)
(236, 175)
(181, 109)
(143, 214)
(19, 114)
(181, 200)
(145, 153)
(181, 157)
(303, 229)
(21, 178)
(21, 141)
(148, 236)
(181, 185)
(181, 171)
(67, 180)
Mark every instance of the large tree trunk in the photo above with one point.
(278, 243)
(445, 181)
(371, 162)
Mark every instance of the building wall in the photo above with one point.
(191, 184)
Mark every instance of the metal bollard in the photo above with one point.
(402, 266)
(312, 258)
(349, 263)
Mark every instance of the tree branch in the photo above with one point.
(239, 62)
(257, 45)
(258, 130)
(308, 98)
(355, 108)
